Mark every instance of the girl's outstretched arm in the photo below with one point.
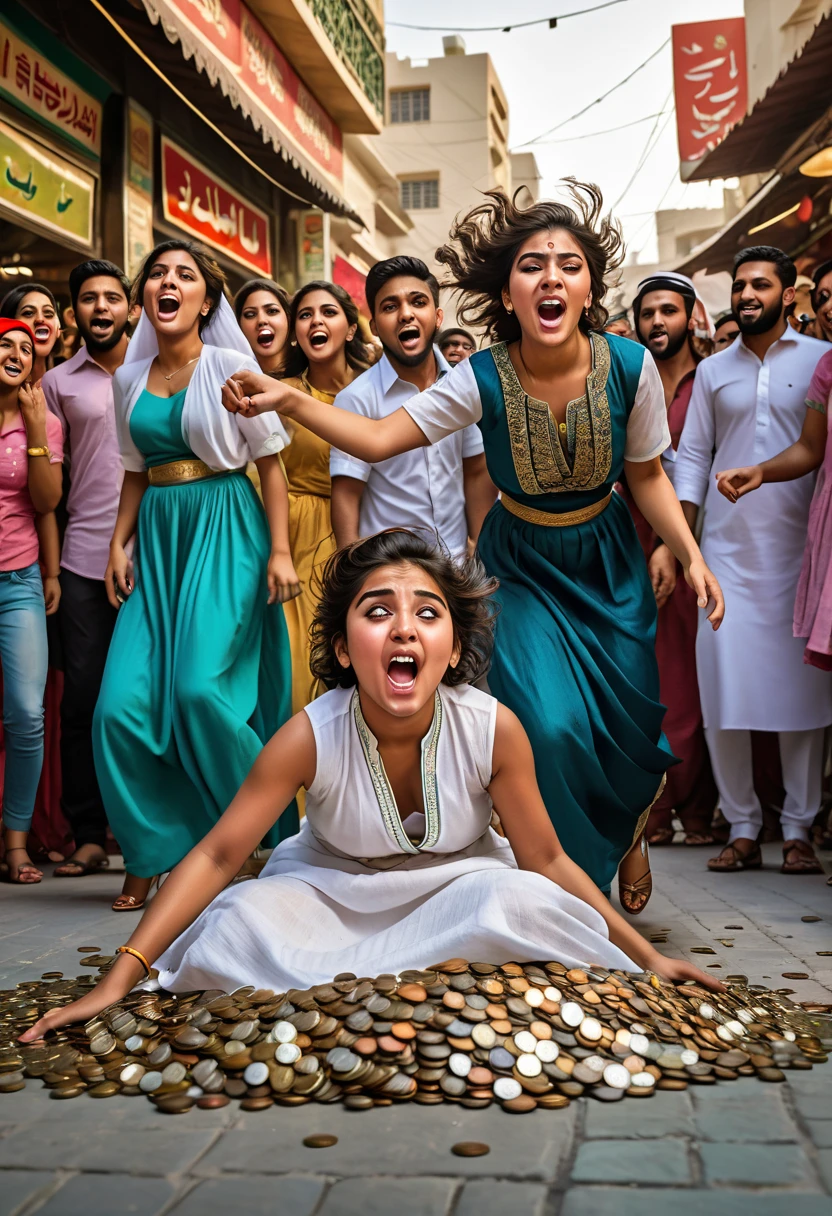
(517, 800)
(287, 762)
(369, 439)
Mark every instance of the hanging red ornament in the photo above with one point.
(805, 210)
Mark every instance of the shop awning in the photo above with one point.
(768, 218)
(798, 98)
(224, 58)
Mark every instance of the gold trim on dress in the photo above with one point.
(645, 815)
(554, 519)
(384, 792)
(539, 460)
(179, 472)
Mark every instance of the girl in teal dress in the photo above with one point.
(198, 673)
(563, 409)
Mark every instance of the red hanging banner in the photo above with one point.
(710, 82)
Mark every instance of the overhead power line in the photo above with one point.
(543, 135)
(503, 29)
(569, 139)
(652, 140)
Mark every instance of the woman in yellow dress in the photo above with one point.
(326, 353)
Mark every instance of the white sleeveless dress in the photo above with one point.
(357, 890)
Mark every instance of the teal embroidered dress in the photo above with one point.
(198, 675)
(574, 656)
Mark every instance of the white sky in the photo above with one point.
(550, 74)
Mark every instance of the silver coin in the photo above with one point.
(707, 1011)
(547, 1051)
(484, 1036)
(528, 1065)
(552, 994)
(132, 1074)
(507, 1088)
(150, 1082)
(571, 1013)
(283, 1032)
(173, 1073)
(256, 1073)
(591, 1029)
(134, 1044)
(643, 1080)
(203, 1070)
(160, 1054)
(525, 1041)
(617, 1076)
(688, 1057)
(459, 1064)
(638, 1044)
(533, 997)
(234, 1047)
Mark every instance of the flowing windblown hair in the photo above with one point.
(467, 589)
(483, 245)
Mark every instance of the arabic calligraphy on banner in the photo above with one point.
(710, 82)
(197, 200)
(39, 186)
(34, 83)
(138, 187)
(263, 72)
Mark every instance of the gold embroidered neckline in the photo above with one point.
(383, 790)
(539, 459)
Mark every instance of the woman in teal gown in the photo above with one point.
(198, 674)
(562, 408)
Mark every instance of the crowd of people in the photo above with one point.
(566, 471)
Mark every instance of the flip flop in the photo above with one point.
(694, 840)
(27, 865)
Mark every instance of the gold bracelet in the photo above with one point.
(38, 452)
(135, 954)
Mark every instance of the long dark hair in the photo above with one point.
(12, 299)
(467, 589)
(357, 355)
(484, 243)
(208, 268)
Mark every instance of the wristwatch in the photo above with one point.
(38, 452)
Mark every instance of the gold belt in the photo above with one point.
(550, 519)
(179, 472)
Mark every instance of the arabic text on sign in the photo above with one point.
(32, 80)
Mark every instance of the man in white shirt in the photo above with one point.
(445, 489)
(748, 404)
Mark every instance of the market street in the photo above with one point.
(736, 1146)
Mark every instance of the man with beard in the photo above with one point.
(748, 404)
(443, 489)
(663, 314)
(80, 393)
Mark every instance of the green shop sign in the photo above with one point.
(38, 185)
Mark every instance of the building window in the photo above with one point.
(420, 194)
(410, 105)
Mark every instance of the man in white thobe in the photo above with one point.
(748, 404)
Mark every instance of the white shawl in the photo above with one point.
(220, 439)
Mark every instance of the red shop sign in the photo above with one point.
(197, 200)
(352, 280)
(710, 82)
(262, 71)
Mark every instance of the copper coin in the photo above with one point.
(470, 1148)
(254, 1104)
(320, 1140)
(521, 1105)
(212, 1101)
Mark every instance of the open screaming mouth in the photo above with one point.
(168, 305)
(42, 333)
(550, 310)
(318, 340)
(402, 670)
(265, 337)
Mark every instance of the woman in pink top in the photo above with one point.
(31, 451)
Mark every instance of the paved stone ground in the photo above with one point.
(733, 1149)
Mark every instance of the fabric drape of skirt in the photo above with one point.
(197, 676)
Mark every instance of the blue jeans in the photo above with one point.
(24, 659)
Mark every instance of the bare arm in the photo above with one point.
(119, 566)
(368, 439)
(286, 762)
(280, 574)
(656, 499)
(50, 556)
(801, 458)
(345, 505)
(44, 479)
(480, 493)
(536, 847)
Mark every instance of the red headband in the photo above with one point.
(8, 323)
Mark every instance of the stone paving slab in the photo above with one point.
(734, 1149)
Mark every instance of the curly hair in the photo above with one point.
(355, 351)
(483, 246)
(467, 590)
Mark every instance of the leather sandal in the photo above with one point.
(80, 869)
(127, 903)
(26, 867)
(805, 863)
(694, 840)
(732, 859)
(660, 836)
(634, 896)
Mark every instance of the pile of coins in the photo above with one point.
(525, 1036)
